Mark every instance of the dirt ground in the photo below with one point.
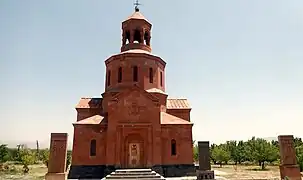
(232, 172)
(37, 172)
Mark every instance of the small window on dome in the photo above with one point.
(135, 73)
(151, 75)
(120, 74)
(108, 77)
(161, 79)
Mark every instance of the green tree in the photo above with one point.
(4, 153)
(262, 151)
(196, 152)
(236, 150)
(26, 157)
(299, 154)
(13, 153)
(275, 143)
(44, 156)
(298, 142)
(68, 159)
(212, 147)
(220, 154)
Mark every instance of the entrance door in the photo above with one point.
(134, 155)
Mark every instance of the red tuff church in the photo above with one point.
(134, 124)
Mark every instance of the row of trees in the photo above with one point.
(25, 156)
(254, 151)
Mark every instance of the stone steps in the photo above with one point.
(134, 174)
(128, 174)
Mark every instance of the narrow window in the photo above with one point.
(146, 38)
(93, 147)
(161, 79)
(108, 78)
(173, 147)
(151, 75)
(135, 73)
(137, 36)
(120, 74)
(127, 36)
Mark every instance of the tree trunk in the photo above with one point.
(263, 165)
(25, 169)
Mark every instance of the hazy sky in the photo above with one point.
(238, 62)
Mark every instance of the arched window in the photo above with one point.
(173, 147)
(120, 74)
(146, 39)
(93, 147)
(137, 36)
(127, 36)
(108, 78)
(151, 75)
(135, 73)
(161, 79)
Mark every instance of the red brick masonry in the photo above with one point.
(58, 152)
(289, 166)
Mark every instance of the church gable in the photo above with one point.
(134, 105)
(136, 89)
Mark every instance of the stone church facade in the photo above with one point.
(133, 124)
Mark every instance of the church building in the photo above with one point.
(133, 124)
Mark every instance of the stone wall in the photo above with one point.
(83, 134)
(184, 147)
(181, 113)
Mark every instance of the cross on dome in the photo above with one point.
(137, 5)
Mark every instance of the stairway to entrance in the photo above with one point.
(134, 174)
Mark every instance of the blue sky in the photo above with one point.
(238, 62)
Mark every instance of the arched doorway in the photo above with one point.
(134, 151)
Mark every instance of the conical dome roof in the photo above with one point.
(137, 15)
